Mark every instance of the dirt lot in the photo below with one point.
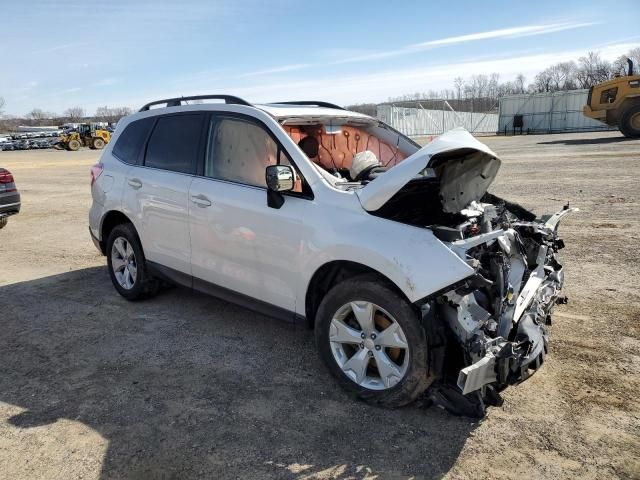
(187, 386)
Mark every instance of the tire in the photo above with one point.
(97, 143)
(3, 221)
(364, 290)
(73, 145)
(131, 286)
(630, 121)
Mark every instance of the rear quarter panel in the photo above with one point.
(106, 192)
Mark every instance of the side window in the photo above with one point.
(239, 151)
(131, 141)
(174, 143)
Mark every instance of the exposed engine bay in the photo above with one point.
(499, 317)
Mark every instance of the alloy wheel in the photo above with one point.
(123, 263)
(369, 345)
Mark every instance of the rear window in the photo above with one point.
(174, 143)
(130, 142)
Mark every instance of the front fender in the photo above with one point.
(412, 258)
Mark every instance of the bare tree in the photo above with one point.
(458, 84)
(111, 115)
(493, 85)
(542, 82)
(634, 55)
(74, 113)
(562, 76)
(520, 79)
(619, 66)
(1, 106)
(592, 69)
(479, 85)
(37, 114)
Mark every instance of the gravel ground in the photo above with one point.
(188, 386)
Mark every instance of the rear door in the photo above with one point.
(156, 193)
(239, 244)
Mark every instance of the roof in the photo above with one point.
(303, 109)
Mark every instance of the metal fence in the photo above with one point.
(548, 113)
(420, 121)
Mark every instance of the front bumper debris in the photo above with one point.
(499, 319)
(509, 363)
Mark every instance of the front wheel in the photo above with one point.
(73, 145)
(370, 338)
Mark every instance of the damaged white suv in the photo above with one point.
(416, 280)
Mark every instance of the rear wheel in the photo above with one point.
(97, 143)
(73, 145)
(371, 340)
(3, 221)
(127, 266)
(630, 121)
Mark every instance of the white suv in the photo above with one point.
(411, 274)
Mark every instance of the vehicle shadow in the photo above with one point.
(188, 386)
(587, 141)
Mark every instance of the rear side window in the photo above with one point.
(130, 142)
(174, 143)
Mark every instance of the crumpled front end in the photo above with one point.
(499, 317)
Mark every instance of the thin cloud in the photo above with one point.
(513, 32)
(56, 48)
(284, 68)
(106, 82)
(522, 31)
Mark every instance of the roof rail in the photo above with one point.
(312, 103)
(176, 102)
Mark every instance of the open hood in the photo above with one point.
(464, 166)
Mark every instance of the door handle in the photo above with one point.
(135, 183)
(201, 200)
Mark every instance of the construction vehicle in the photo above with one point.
(87, 134)
(616, 102)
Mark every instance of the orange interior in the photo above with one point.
(337, 150)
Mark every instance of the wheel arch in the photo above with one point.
(111, 219)
(333, 272)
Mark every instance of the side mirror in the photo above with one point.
(280, 178)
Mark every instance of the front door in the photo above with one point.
(237, 241)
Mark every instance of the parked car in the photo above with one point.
(412, 275)
(9, 197)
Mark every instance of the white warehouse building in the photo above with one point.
(547, 113)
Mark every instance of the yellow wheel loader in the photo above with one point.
(616, 102)
(88, 135)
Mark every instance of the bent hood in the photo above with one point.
(464, 166)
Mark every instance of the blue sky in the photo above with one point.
(124, 53)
